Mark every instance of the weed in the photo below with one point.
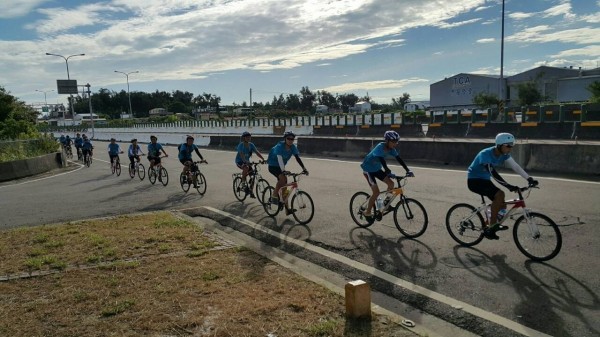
(117, 308)
(322, 328)
(210, 276)
(40, 238)
(97, 240)
(164, 248)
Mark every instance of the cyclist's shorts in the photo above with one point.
(275, 170)
(183, 161)
(113, 156)
(371, 176)
(134, 157)
(156, 159)
(483, 187)
(84, 151)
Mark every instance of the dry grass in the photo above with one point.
(157, 275)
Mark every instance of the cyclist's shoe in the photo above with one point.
(368, 216)
(252, 195)
(498, 227)
(246, 189)
(274, 201)
(289, 211)
(490, 234)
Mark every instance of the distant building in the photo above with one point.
(361, 107)
(415, 106)
(321, 108)
(159, 112)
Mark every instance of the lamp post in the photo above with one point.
(68, 76)
(45, 91)
(128, 94)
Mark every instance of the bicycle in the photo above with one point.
(193, 177)
(301, 205)
(410, 217)
(79, 153)
(158, 171)
(87, 159)
(139, 168)
(533, 232)
(241, 190)
(115, 166)
(69, 151)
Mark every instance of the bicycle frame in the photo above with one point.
(516, 204)
(394, 192)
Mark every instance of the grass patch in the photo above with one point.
(192, 291)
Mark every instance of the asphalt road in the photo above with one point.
(559, 297)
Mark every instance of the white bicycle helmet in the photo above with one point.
(505, 138)
(391, 135)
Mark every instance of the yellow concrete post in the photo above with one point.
(358, 299)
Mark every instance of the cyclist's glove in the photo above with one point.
(388, 172)
(532, 182)
(305, 171)
(286, 173)
(409, 173)
(513, 188)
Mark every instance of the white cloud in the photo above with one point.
(544, 34)
(563, 9)
(18, 8)
(588, 51)
(445, 25)
(486, 40)
(520, 15)
(372, 85)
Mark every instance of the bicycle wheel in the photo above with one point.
(464, 224)
(201, 183)
(538, 238)
(151, 175)
(88, 160)
(358, 204)
(131, 172)
(118, 168)
(410, 217)
(271, 209)
(303, 207)
(141, 171)
(164, 176)
(238, 189)
(112, 167)
(183, 181)
(261, 186)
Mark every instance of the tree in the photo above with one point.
(346, 101)
(594, 88)
(307, 99)
(486, 100)
(17, 120)
(528, 93)
(399, 103)
(326, 98)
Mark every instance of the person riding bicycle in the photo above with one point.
(134, 153)
(78, 143)
(62, 140)
(482, 169)
(113, 150)
(87, 147)
(185, 156)
(278, 158)
(154, 150)
(374, 167)
(67, 144)
(242, 159)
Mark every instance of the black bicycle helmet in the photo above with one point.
(246, 134)
(288, 134)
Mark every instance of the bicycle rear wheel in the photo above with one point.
(464, 224)
(238, 189)
(303, 207)
(261, 186)
(271, 209)
(164, 176)
(201, 183)
(358, 204)
(539, 238)
(118, 168)
(183, 181)
(410, 217)
(141, 171)
(88, 160)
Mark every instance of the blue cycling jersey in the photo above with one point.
(280, 150)
(87, 145)
(113, 149)
(78, 141)
(478, 170)
(154, 149)
(372, 162)
(185, 151)
(246, 150)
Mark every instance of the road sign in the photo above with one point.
(66, 86)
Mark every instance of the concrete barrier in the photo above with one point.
(31, 166)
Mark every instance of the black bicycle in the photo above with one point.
(193, 178)
(256, 183)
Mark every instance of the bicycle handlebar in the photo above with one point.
(287, 173)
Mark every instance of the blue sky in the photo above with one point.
(382, 48)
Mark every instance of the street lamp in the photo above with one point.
(68, 76)
(45, 100)
(128, 95)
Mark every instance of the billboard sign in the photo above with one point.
(66, 86)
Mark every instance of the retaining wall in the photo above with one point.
(31, 166)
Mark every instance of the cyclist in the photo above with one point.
(185, 157)
(62, 140)
(242, 159)
(87, 147)
(278, 158)
(113, 150)
(154, 150)
(67, 144)
(134, 152)
(375, 167)
(78, 143)
(482, 169)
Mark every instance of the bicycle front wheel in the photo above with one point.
(303, 207)
(88, 161)
(183, 181)
(131, 172)
(270, 209)
(358, 204)
(261, 186)
(164, 176)
(141, 171)
(112, 167)
(465, 224)
(118, 168)
(538, 237)
(410, 218)
(201, 184)
(238, 189)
